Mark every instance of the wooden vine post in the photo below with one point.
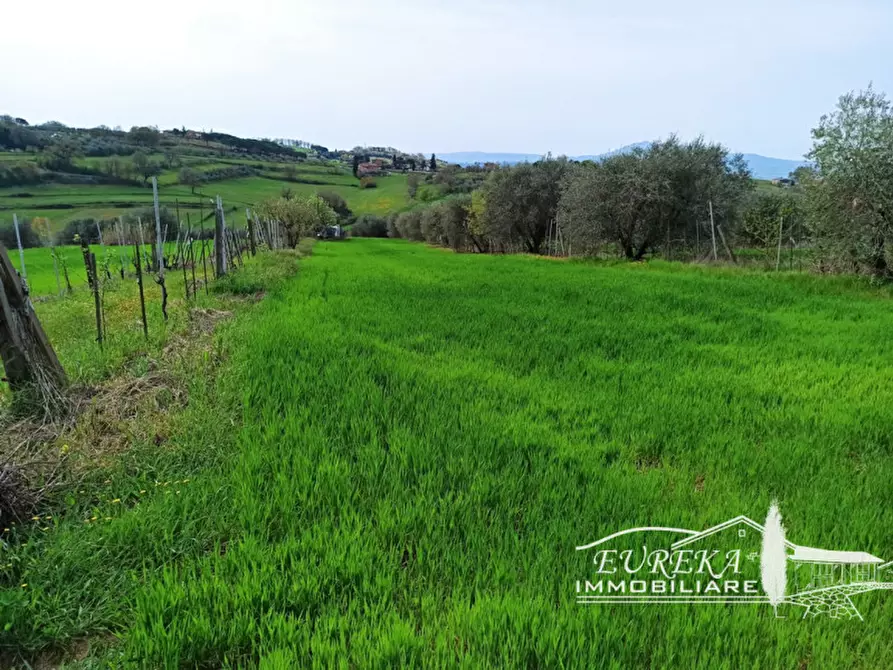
(93, 279)
(220, 240)
(159, 246)
(139, 280)
(201, 238)
(29, 360)
(252, 242)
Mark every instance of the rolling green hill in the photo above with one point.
(63, 174)
(61, 203)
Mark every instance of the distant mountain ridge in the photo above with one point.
(762, 167)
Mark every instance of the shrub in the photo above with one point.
(84, 229)
(409, 225)
(369, 225)
(337, 203)
(367, 182)
(392, 225)
(29, 236)
(412, 185)
(428, 193)
(19, 174)
(431, 225)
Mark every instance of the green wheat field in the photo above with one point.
(405, 446)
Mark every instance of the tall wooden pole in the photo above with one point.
(142, 239)
(712, 228)
(160, 247)
(93, 278)
(119, 228)
(220, 240)
(139, 281)
(27, 356)
(192, 260)
(778, 255)
(252, 243)
(201, 225)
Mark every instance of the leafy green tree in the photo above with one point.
(409, 225)
(300, 218)
(29, 236)
(412, 184)
(522, 201)
(143, 165)
(851, 195)
(60, 154)
(144, 135)
(433, 164)
(431, 224)
(455, 216)
(337, 203)
(190, 177)
(370, 225)
(650, 198)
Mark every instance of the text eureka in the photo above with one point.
(659, 571)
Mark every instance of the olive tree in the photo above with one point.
(521, 202)
(455, 217)
(190, 177)
(850, 197)
(144, 166)
(300, 218)
(431, 225)
(409, 225)
(652, 198)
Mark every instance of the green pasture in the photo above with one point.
(61, 203)
(404, 445)
(41, 270)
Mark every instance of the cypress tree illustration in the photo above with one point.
(774, 559)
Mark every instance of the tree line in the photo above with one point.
(685, 200)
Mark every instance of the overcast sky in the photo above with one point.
(453, 75)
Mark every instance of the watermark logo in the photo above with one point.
(737, 561)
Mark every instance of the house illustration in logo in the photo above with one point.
(821, 581)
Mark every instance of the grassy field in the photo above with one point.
(70, 323)
(41, 272)
(405, 445)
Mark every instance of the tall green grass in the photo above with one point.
(407, 445)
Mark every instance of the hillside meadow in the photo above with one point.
(61, 203)
(402, 447)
